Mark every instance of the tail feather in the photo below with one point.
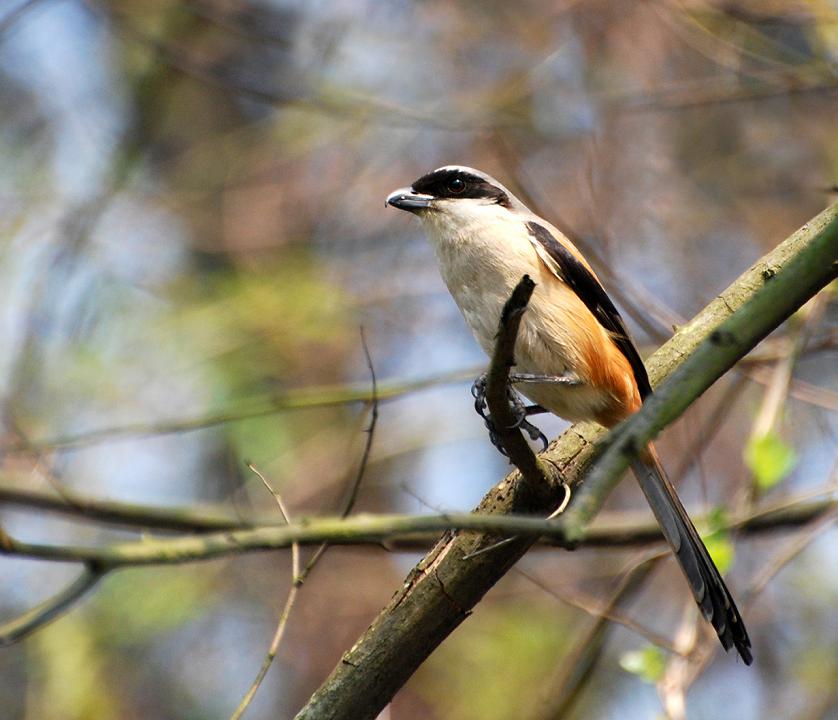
(708, 588)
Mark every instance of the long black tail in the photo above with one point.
(705, 581)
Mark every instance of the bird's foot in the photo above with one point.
(519, 410)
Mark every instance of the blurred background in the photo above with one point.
(193, 233)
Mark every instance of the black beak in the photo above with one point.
(406, 199)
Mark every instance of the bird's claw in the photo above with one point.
(478, 392)
(520, 411)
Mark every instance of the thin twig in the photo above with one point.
(286, 610)
(794, 547)
(497, 384)
(294, 399)
(777, 391)
(15, 630)
(198, 519)
(370, 431)
(606, 610)
(362, 466)
(783, 557)
(334, 396)
(568, 681)
(505, 425)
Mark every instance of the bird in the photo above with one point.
(573, 355)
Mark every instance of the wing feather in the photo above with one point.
(584, 283)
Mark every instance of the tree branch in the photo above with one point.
(440, 592)
(497, 383)
(408, 532)
(174, 519)
(291, 399)
(614, 529)
(771, 291)
(15, 630)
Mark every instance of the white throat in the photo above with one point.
(483, 250)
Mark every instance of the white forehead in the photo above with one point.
(471, 171)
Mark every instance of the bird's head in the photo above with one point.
(455, 195)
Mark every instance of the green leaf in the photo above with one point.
(717, 539)
(770, 459)
(721, 550)
(648, 663)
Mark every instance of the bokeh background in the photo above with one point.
(193, 232)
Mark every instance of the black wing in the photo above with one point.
(590, 292)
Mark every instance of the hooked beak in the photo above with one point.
(406, 199)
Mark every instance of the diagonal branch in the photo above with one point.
(15, 630)
(441, 591)
(778, 292)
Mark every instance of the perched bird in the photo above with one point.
(573, 355)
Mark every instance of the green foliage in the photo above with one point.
(770, 459)
(648, 663)
(70, 674)
(257, 327)
(718, 541)
(253, 334)
(133, 607)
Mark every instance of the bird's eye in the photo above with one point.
(456, 186)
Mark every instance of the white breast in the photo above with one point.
(481, 257)
(483, 253)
